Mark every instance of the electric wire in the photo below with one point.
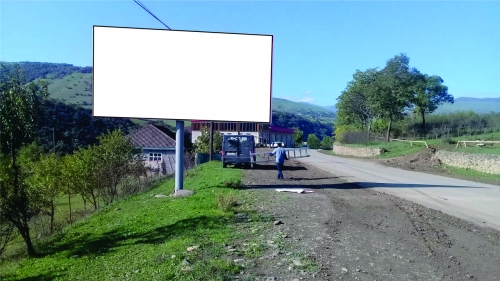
(151, 13)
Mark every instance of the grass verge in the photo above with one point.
(146, 238)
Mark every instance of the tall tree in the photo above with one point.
(20, 104)
(353, 109)
(391, 92)
(429, 94)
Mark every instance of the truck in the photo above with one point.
(237, 150)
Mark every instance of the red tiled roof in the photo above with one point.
(152, 136)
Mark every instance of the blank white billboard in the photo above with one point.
(182, 75)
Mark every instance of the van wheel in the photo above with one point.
(224, 165)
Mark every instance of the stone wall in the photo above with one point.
(356, 151)
(480, 162)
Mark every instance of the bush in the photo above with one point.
(225, 202)
(448, 141)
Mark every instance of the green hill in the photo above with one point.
(73, 85)
(485, 105)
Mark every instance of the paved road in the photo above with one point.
(475, 202)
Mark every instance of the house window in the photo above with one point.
(154, 156)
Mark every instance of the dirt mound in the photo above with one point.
(423, 161)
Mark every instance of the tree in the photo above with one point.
(313, 141)
(391, 91)
(20, 104)
(46, 177)
(327, 143)
(115, 155)
(298, 137)
(429, 94)
(202, 143)
(352, 106)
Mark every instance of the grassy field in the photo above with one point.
(400, 148)
(146, 238)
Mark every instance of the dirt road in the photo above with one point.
(346, 232)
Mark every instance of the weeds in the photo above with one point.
(226, 202)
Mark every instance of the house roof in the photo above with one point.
(154, 136)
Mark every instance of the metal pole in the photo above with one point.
(179, 155)
(211, 141)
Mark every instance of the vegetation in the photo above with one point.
(298, 137)
(388, 94)
(327, 143)
(20, 105)
(313, 141)
(202, 143)
(146, 238)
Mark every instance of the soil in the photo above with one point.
(344, 232)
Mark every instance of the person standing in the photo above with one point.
(280, 153)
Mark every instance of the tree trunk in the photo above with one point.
(52, 213)
(423, 120)
(388, 130)
(69, 203)
(24, 230)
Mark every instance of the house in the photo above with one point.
(263, 133)
(158, 147)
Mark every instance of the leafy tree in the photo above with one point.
(298, 137)
(353, 109)
(327, 143)
(85, 177)
(202, 143)
(115, 157)
(391, 91)
(313, 141)
(46, 178)
(20, 105)
(429, 94)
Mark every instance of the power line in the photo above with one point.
(151, 13)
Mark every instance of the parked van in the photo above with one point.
(236, 150)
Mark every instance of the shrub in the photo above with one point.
(225, 202)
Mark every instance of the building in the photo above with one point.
(158, 147)
(262, 133)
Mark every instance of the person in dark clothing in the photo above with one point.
(280, 153)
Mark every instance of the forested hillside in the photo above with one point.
(72, 85)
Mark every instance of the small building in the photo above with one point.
(158, 147)
(263, 133)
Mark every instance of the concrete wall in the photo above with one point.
(356, 151)
(479, 162)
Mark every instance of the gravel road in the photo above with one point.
(345, 232)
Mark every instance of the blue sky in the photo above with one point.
(318, 45)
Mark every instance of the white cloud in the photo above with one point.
(307, 99)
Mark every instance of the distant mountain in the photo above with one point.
(332, 108)
(478, 105)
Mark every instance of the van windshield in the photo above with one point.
(238, 141)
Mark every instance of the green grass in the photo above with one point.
(392, 149)
(144, 238)
(473, 175)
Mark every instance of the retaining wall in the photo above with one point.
(480, 162)
(356, 151)
(485, 163)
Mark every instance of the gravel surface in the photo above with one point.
(343, 232)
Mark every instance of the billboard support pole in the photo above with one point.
(179, 153)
